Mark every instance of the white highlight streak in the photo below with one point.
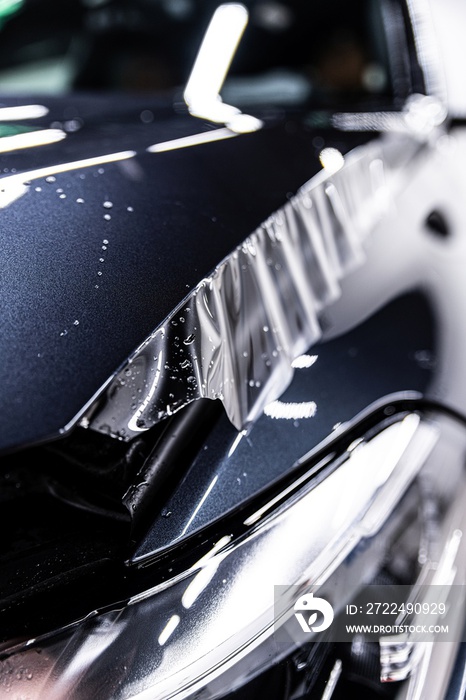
(31, 139)
(304, 361)
(213, 61)
(12, 187)
(134, 423)
(168, 630)
(205, 575)
(236, 442)
(291, 411)
(22, 112)
(194, 140)
(333, 680)
(200, 504)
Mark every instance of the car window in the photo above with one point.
(326, 53)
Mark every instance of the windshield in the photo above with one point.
(291, 52)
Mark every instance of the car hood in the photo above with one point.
(102, 235)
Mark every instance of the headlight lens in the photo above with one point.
(387, 509)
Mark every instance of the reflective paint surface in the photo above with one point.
(236, 335)
(378, 359)
(168, 228)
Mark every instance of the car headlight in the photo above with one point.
(383, 504)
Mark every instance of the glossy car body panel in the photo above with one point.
(90, 303)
